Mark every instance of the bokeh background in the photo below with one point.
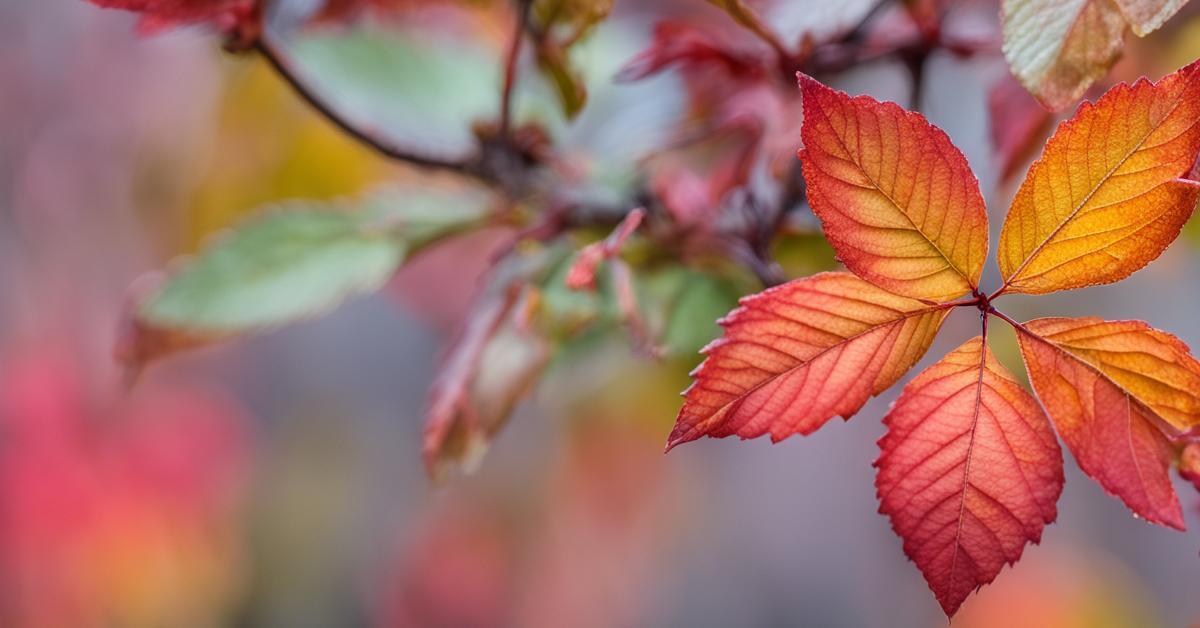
(278, 481)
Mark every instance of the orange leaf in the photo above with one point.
(1156, 368)
(897, 199)
(1107, 386)
(969, 471)
(1108, 194)
(796, 355)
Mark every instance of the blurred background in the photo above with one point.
(278, 481)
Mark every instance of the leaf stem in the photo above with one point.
(1004, 317)
(281, 63)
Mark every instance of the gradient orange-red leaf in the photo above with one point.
(969, 471)
(897, 200)
(1104, 385)
(1155, 367)
(1110, 190)
(798, 354)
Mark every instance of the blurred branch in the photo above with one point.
(859, 31)
(750, 20)
(524, 7)
(282, 64)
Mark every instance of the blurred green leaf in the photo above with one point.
(688, 304)
(292, 262)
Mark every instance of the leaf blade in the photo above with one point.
(1121, 162)
(895, 197)
(1146, 16)
(854, 338)
(967, 412)
(1113, 432)
(1059, 48)
(294, 262)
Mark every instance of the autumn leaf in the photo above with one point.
(1057, 48)
(1017, 125)
(1145, 16)
(896, 199)
(582, 274)
(1107, 386)
(797, 355)
(1189, 464)
(1109, 193)
(489, 367)
(969, 471)
(241, 19)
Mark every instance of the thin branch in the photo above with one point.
(999, 291)
(524, 8)
(282, 65)
(1015, 325)
(859, 31)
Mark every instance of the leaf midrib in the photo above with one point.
(907, 218)
(790, 370)
(1090, 195)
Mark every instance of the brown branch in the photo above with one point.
(858, 32)
(282, 65)
(524, 7)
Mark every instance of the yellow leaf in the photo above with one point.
(1109, 193)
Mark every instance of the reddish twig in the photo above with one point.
(510, 66)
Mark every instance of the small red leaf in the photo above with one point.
(582, 274)
(240, 18)
(490, 366)
(969, 471)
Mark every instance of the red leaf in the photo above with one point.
(490, 366)
(240, 17)
(969, 471)
(1018, 124)
(582, 274)
(796, 355)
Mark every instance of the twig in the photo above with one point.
(510, 66)
(859, 31)
(282, 65)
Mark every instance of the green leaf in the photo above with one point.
(292, 262)
(688, 304)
